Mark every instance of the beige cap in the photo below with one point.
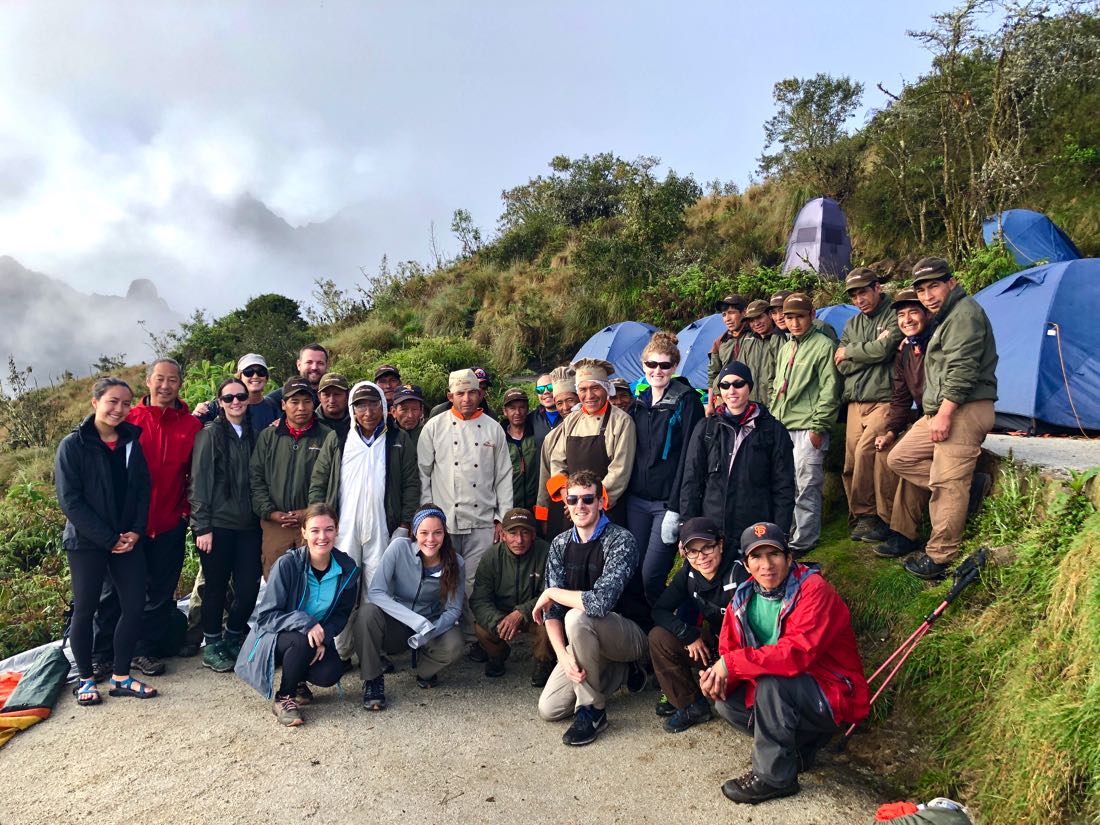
(593, 369)
(463, 380)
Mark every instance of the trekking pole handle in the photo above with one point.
(966, 573)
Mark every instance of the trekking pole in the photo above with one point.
(965, 574)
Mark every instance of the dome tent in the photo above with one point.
(622, 345)
(1031, 237)
(837, 316)
(696, 339)
(819, 240)
(1044, 319)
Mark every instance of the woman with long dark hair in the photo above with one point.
(415, 601)
(103, 489)
(227, 532)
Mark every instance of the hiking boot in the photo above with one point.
(540, 673)
(428, 682)
(101, 670)
(188, 649)
(980, 485)
(925, 568)
(233, 643)
(664, 707)
(148, 665)
(587, 724)
(215, 657)
(895, 546)
(880, 532)
(750, 789)
(684, 718)
(476, 653)
(494, 668)
(374, 694)
(866, 525)
(636, 677)
(303, 695)
(286, 711)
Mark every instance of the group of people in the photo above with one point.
(381, 528)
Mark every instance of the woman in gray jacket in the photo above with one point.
(414, 601)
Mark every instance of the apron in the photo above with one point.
(589, 452)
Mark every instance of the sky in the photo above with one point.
(224, 150)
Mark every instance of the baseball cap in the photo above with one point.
(387, 369)
(761, 533)
(860, 277)
(408, 392)
(253, 359)
(518, 517)
(333, 380)
(296, 385)
(756, 309)
(514, 394)
(776, 301)
(366, 392)
(483, 376)
(732, 300)
(699, 527)
(797, 302)
(931, 269)
(906, 296)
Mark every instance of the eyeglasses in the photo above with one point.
(366, 402)
(659, 365)
(705, 550)
(230, 397)
(587, 498)
(736, 383)
(541, 388)
(252, 372)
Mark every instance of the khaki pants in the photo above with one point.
(276, 541)
(471, 546)
(603, 648)
(945, 469)
(497, 648)
(377, 633)
(905, 510)
(864, 481)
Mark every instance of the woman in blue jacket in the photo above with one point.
(103, 489)
(414, 601)
(308, 600)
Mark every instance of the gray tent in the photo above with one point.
(819, 240)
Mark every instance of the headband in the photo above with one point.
(428, 512)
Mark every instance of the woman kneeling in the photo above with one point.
(309, 596)
(415, 601)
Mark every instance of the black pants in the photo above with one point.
(164, 563)
(89, 569)
(788, 715)
(293, 652)
(235, 553)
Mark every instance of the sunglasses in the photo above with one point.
(736, 383)
(230, 397)
(705, 550)
(252, 372)
(541, 388)
(658, 365)
(587, 498)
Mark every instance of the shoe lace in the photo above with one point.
(288, 703)
(746, 779)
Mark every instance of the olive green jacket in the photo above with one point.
(759, 355)
(281, 468)
(870, 343)
(726, 349)
(811, 398)
(960, 361)
(507, 582)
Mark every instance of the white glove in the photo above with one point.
(670, 527)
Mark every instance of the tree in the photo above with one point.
(462, 224)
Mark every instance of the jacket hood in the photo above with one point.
(382, 395)
(301, 557)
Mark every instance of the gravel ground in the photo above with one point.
(471, 750)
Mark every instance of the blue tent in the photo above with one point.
(622, 345)
(1033, 312)
(1030, 237)
(837, 315)
(696, 339)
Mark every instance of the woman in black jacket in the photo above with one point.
(739, 467)
(103, 489)
(227, 532)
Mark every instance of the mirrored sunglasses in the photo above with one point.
(541, 388)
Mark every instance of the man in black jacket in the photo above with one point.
(678, 650)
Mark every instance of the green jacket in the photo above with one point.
(220, 477)
(281, 468)
(525, 466)
(725, 349)
(869, 355)
(402, 475)
(960, 361)
(506, 582)
(812, 395)
(759, 355)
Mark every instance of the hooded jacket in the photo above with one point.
(815, 637)
(281, 468)
(507, 582)
(662, 431)
(960, 362)
(402, 590)
(870, 342)
(94, 518)
(806, 387)
(167, 438)
(280, 609)
(711, 598)
(221, 492)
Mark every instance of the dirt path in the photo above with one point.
(471, 750)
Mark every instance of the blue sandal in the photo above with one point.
(87, 693)
(126, 687)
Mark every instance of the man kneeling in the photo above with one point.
(788, 672)
(587, 605)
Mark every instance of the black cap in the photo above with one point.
(761, 533)
(408, 392)
(931, 269)
(365, 392)
(733, 300)
(387, 369)
(296, 385)
(738, 369)
(699, 527)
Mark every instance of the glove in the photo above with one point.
(670, 527)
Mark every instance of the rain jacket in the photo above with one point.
(662, 430)
(711, 598)
(221, 478)
(403, 592)
(758, 354)
(868, 354)
(281, 468)
(167, 438)
(811, 398)
(525, 464)
(960, 362)
(507, 582)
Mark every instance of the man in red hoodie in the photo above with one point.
(788, 671)
(168, 433)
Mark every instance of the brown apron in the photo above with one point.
(589, 452)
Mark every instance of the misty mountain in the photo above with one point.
(52, 327)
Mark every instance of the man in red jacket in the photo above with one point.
(788, 670)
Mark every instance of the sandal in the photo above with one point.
(87, 693)
(126, 687)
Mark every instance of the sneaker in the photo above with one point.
(233, 643)
(636, 678)
(476, 653)
(374, 694)
(540, 673)
(494, 668)
(925, 568)
(430, 682)
(864, 525)
(695, 713)
(148, 665)
(215, 657)
(895, 546)
(587, 724)
(303, 695)
(286, 711)
(750, 789)
(664, 707)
